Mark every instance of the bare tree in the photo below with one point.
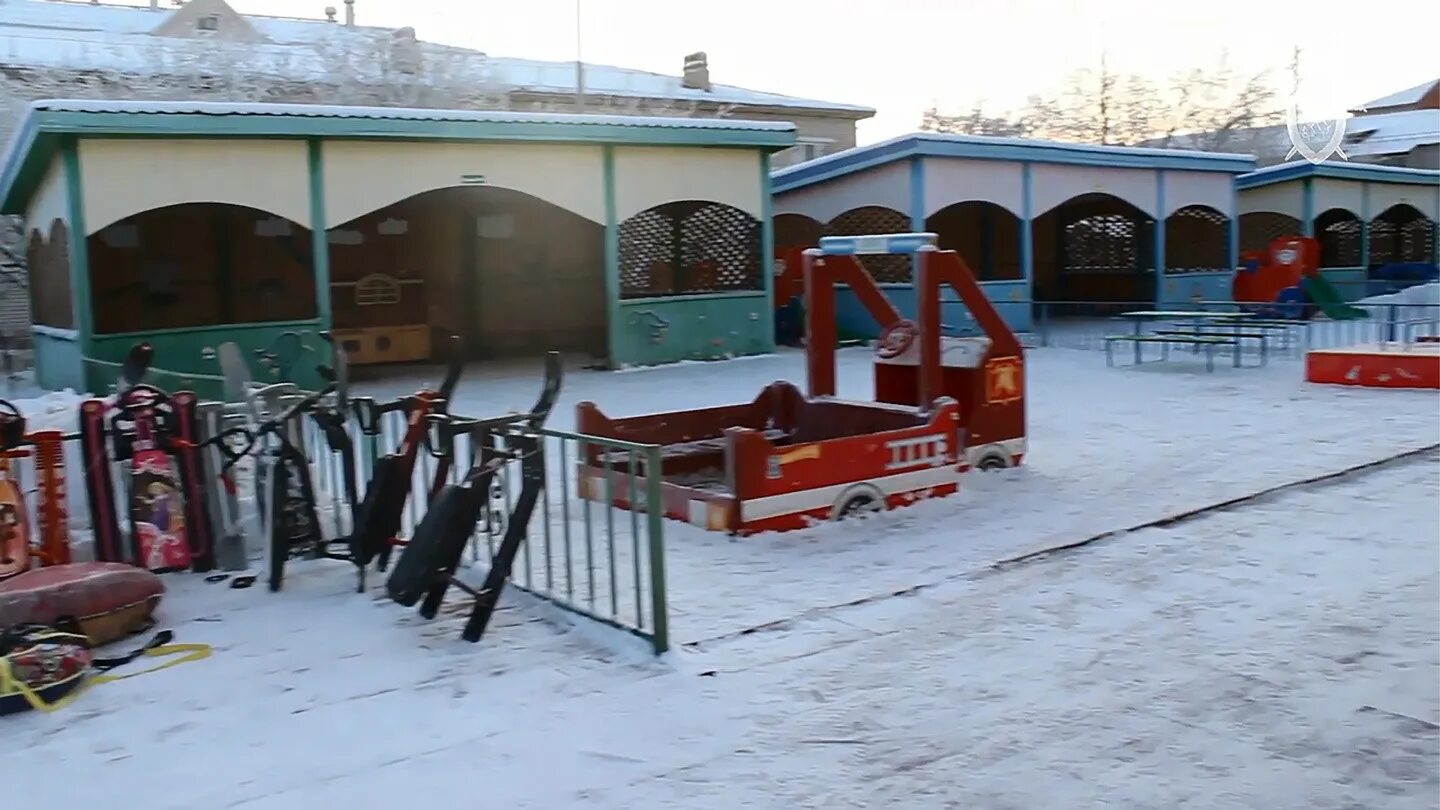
(1214, 109)
(975, 122)
(1219, 109)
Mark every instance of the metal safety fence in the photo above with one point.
(1085, 324)
(581, 554)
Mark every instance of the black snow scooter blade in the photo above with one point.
(340, 368)
(137, 363)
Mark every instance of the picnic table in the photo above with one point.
(1196, 336)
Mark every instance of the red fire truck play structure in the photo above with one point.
(785, 460)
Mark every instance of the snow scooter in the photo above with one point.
(288, 519)
(14, 514)
(156, 433)
(428, 565)
(377, 525)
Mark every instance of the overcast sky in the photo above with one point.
(901, 56)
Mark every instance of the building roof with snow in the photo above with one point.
(1393, 133)
(36, 140)
(1409, 97)
(92, 36)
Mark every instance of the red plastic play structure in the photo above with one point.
(785, 460)
(1286, 281)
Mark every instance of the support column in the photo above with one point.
(1365, 228)
(612, 259)
(1159, 237)
(82, 308)
(1307, 206)
(319, 237)
(917, 211)
(767, 253)
(1232, 247)
(1027, 235)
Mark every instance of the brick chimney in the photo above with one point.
(697, 72)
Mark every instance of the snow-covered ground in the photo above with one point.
(1264, 656)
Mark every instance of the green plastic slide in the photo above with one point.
(1325, 296)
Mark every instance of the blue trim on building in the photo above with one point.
(1338, 170)
(974, 147)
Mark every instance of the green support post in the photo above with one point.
(655, 519)
(319, 241)
(82, 308)
(767, 253)
(612, 259)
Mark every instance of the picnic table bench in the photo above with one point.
(1207, 329)
(1209, 342)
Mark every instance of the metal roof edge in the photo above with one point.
(46, 121)
(1017, 150)
(1364, 172)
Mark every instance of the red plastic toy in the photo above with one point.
(785, 460)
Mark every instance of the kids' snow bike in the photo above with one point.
(429, 564)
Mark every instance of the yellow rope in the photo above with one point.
(10, 683)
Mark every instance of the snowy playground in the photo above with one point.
(1280, 652)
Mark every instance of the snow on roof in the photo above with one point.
(1409, 95)
(1391, 133)
(397, 114)
(76, 36)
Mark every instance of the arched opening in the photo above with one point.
(512, 274)
(1338, 232)
(47, 259)
(1259, 228)
(797, 231)
(1401, 233)
(986, 235)
(1196, 241)
(689, 247)
(1094, 248)
(875, 219)
(199, 264)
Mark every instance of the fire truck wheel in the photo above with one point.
(992, 459)
(856, 500)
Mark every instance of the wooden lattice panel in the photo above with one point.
(1102, 243)
(1259, 229)
(689, 247)
(875, 219)
(1339, 233)
(1417, 240)
(720, 250)
(647, 247)
(797, 230)
(1196, 241)
(49, 276)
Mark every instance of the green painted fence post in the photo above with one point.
(655, 516)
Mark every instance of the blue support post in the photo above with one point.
(1027, 240)
(1159, 237)
(1232, 247)
(1307, 206)
(1365, 228)
(917, 209)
